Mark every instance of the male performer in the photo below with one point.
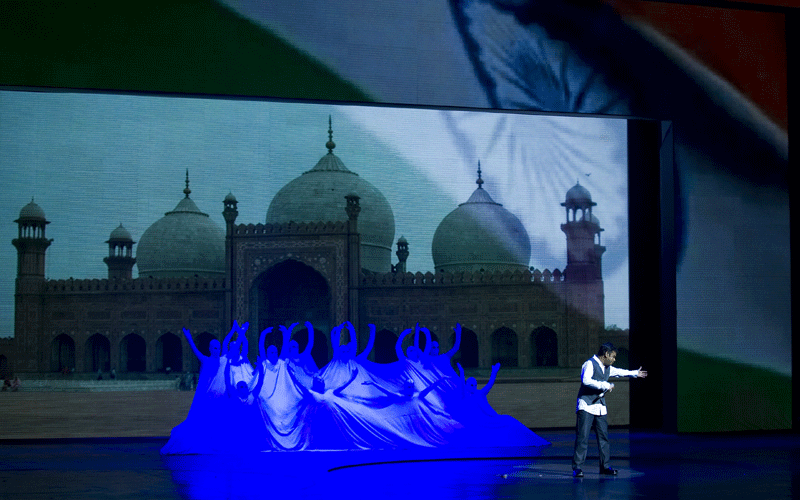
(591, 408)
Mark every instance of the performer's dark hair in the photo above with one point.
(606, 348)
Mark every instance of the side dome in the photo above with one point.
(31, 212)
(318, 195)
(185, 242)
(578, 196)
(120, 234)
(481, 235)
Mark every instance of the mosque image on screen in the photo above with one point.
(324, 256)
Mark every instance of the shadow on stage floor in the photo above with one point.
(650, 466)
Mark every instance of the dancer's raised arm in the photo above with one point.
(457, 344)
(428, 342)
(336, 338)
(310, 343)
(226, 343)
(353, 344)
(488, 387)
(287, 337)
(370, 343)
(398, 347)
(228, 385)
(202, 357)
(260, 382)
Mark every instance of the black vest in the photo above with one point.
(589, 394)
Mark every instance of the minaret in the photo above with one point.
(584, 251)
(31, 246)
(230, 212)
(120, 259)
(31, 243)
(402, 255)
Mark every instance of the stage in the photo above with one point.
(651, 465)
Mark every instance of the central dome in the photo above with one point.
(185, 242)
(481, 235)
(318, 195)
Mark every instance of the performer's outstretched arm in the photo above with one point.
(424, 392)
(370, 343)
(202, 357)
(488, 387)
(398, 347)
(262, 352)
(353, 344)
(461, 380)
(228, 384)
(287, 337)
(427, 339)
(310, 343)
(227, 342)
(457, 344)
(336, 338)
(245, 349)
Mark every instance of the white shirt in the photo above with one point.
(587, 372)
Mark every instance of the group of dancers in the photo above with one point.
(286, 402)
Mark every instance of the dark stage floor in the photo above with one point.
(651, 466)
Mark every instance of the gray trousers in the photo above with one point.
(585, 422)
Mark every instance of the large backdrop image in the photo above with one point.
(149, 214)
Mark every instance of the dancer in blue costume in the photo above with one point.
(281, 399)
(246, 431)
(351, 403)
(192, 435)
(328, 422)
(483, 426)
(240, 367)
(441, 362)
(413, 367)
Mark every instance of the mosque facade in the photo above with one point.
(298, 266)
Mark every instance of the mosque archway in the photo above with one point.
(168, 353)
(290, 292)
(467, 354)
(544, 347)
(133, 353)
(383, 348)
(98, 353)
(504, 347)
(62, 353)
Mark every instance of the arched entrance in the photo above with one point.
(168, 353)
(98, 350)
(504, 347)
(132, 353)
(290, 292)
(544, 347)
(62, 353)
(383, 348)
